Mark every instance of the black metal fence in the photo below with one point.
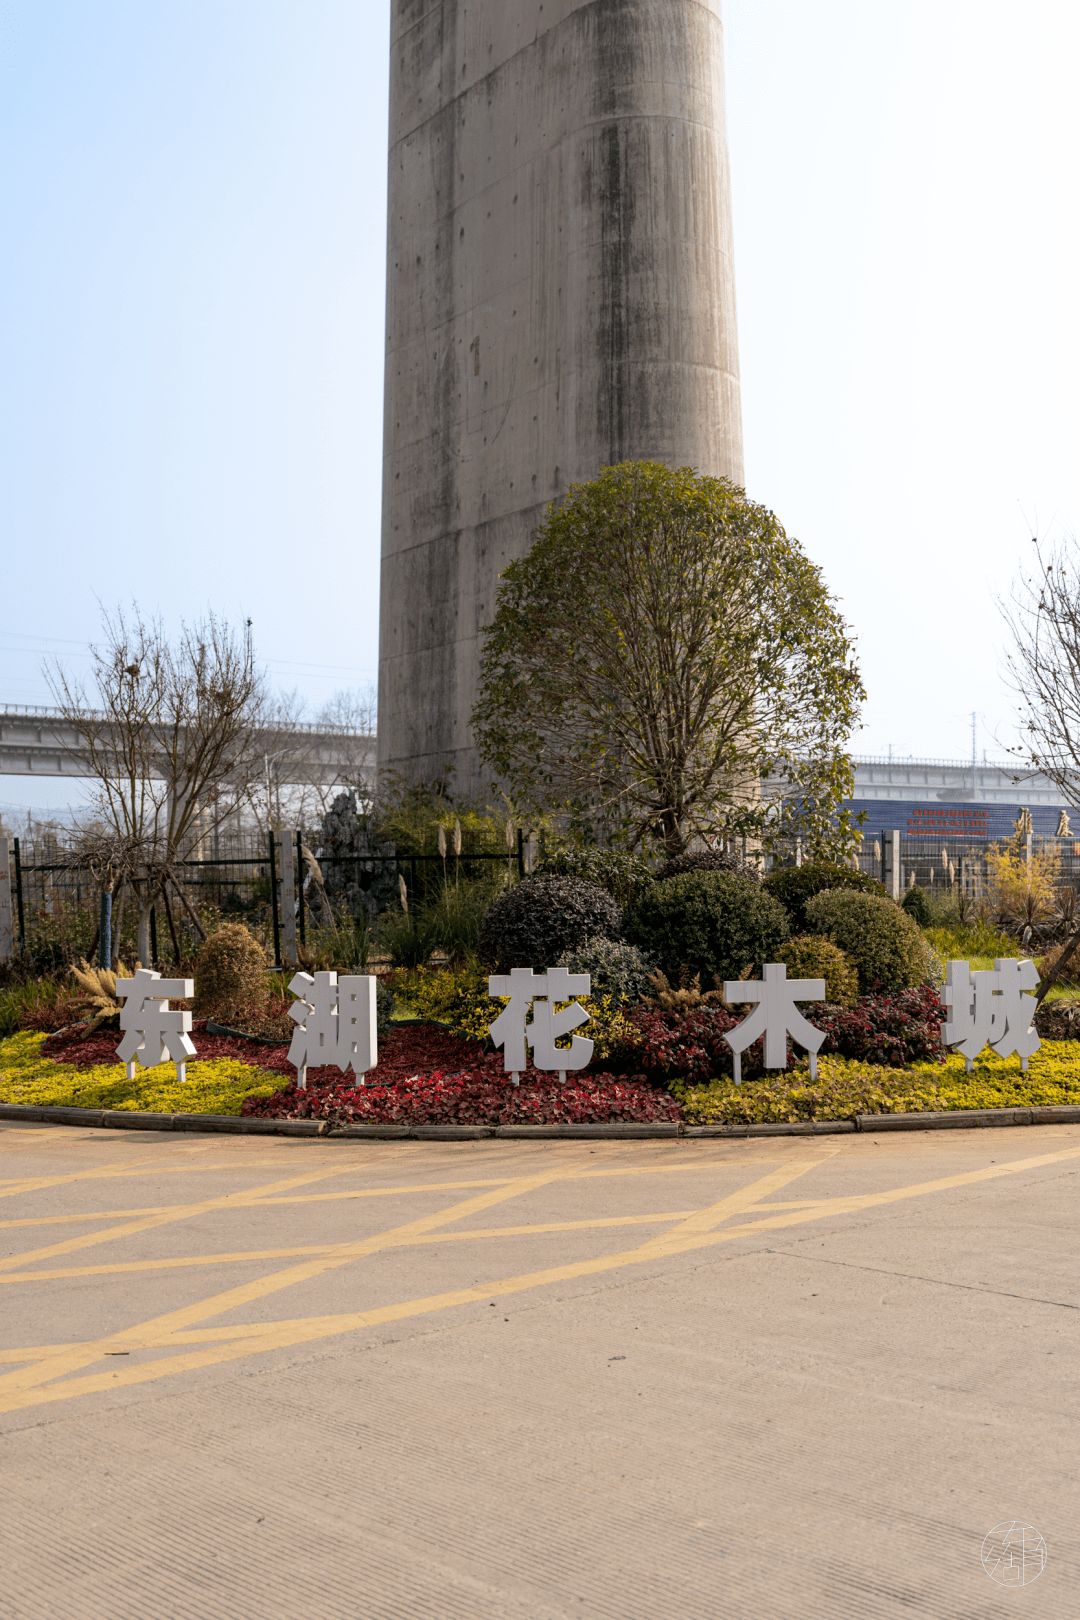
(56, 901)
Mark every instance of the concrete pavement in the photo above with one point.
(806, 1377)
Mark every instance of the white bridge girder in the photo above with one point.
(39, 742)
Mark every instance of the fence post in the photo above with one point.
(104, 949)
(19, 898)
(300, 886)
(288, 897)
(274, 900)
(7, 930)
(891, 852)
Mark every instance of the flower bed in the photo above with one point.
(479, 1096)
(430, 1076)
(845, 1087)
(425, 1076)
(215, 1084)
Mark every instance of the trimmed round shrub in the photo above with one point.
(917, 906)
(616, 969)
(625, 877)
(812, 956)
(710, 923)
(882, 941)
(230, 975)
(707, 860)
(536, 922)
(793, 886)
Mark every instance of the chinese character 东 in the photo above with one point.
(336, 1023)
(540, 991)
(775, 1016)
(991, 1006)
(153, 1032)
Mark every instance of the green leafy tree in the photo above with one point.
(667, 663)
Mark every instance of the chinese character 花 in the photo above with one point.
(540, 991)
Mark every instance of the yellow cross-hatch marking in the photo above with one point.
(50, 1373)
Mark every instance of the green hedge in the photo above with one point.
(711, 923)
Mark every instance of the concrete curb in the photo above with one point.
(234, 1125)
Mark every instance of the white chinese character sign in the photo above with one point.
(336, 1023)
(775, 1016)
(991, 1006)
(540, 991)
(153, 1032)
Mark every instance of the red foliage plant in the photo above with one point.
(888, 1029)
(425, 1076)
(480, 1096)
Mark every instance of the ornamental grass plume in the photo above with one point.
(96, 996)
(1023, 891)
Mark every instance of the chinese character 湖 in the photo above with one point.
(336, 1023)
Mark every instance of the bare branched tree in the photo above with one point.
(352, 712)
(170, 731)
(1043, 668)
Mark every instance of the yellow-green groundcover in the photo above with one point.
(843, 1088)
(216, 1086)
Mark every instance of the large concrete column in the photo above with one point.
(560, 297)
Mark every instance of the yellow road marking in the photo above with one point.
(224, 1201)
(178, 1328)
(736, 1203)
(80, 1355)
(257, 1339)
(182, 1261)
(26, 1184)
(371, 1192)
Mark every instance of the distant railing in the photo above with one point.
(309, 727)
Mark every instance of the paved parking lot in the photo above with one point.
(279, 1378)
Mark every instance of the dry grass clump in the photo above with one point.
(230, 975)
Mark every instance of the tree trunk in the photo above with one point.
(143, 951)
(118, 921)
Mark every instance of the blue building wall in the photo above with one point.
(916, 818)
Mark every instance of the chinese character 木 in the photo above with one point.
(775, 1016)
(336, 1023)
(540, 991)
(153, 1032)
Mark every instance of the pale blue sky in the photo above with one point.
(191, 324)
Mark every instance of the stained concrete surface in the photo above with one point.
(560, 297)
(753, 1378)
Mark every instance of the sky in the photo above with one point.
(191, 327)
